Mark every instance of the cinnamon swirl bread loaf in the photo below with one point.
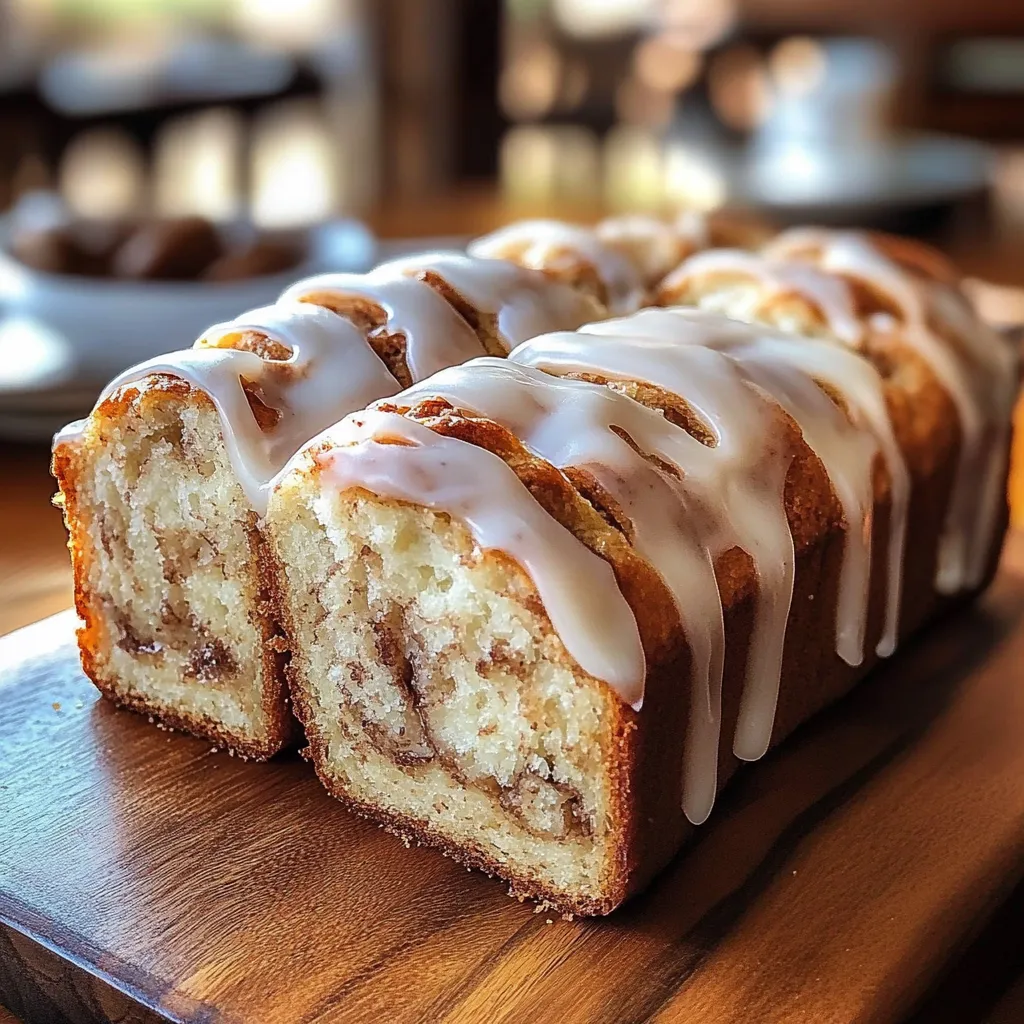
(164, 484)
(539, 608)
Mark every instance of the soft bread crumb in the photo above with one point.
(170, 575)
(436, 692)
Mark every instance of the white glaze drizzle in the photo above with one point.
(828, 294)
(525, 302)
(578, 587)
(435, 335)
(786, 369)
(546, 245)
(654, 245)
(832, 296)
(331, 370)
(979, 374)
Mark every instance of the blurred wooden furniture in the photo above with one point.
(78, 101)
(34, 561)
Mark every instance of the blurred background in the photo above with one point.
(447, 116)
(354, 128)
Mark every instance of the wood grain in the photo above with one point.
(144, 877)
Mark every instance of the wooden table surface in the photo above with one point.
(144, 877)
(34, 569)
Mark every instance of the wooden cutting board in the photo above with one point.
(145, 877)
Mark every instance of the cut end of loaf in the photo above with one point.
(164, 547)
(438, 699)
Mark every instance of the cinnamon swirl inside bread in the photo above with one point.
(539, 609)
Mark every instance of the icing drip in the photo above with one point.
(978, 371)
(729, 496)
(331, 370)
(399, 458)
(435, 335)
(543, 244)
(525, 302)
(688, 503)
(646, 347)
(788, 369)
(829, 295)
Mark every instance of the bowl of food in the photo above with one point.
(81, 299)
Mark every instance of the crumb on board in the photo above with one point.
(55, 705)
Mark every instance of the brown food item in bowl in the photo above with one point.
(82, 248)
(180, 249)
(171, 250)
(52, 250)
(263, 256)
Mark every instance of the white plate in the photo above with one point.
(63, 337)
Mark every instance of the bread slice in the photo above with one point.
(435, 695)
(469, 674)
(168, 563)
